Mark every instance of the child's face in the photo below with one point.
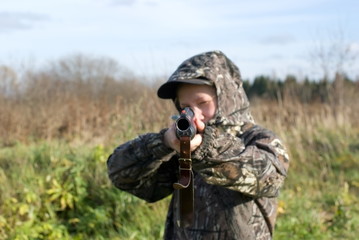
(201, 98)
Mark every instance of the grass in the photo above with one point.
(53, 191)
(60, 190)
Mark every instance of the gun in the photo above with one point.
(185, 131)
(185, 125)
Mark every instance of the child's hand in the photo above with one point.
(170, 139)
(197, 139)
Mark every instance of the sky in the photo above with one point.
(152, 37)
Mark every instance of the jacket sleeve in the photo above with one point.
(143, 167)
(254, 163)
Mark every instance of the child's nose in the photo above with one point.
(198, 113)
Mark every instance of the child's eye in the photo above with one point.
(203, 103)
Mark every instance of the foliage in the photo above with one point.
(55, 190)
(59, 193)
(305, 90)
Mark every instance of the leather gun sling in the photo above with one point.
(185, 184)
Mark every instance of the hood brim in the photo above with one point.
(168, 89)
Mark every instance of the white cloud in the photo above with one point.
(278, 39)
(10, 21)
(354, 47)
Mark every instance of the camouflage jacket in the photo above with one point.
(238, 169)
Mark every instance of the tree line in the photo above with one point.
(303, 90)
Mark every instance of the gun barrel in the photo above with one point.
(185, 125)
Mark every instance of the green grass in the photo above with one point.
(52, 190)
(320, 198)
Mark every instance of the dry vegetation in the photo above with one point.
(86, 99)
(75, 99)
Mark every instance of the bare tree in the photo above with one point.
(333, 54)
(8, 81)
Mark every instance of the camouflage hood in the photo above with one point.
(218, 69)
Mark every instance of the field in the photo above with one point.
(56, 135)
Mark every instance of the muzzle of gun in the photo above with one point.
(185, 125)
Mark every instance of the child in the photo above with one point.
(238, 166)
